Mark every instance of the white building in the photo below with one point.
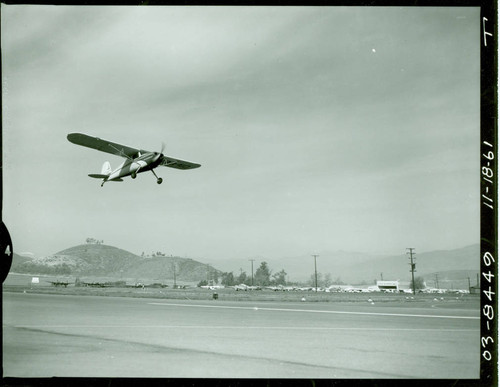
(392, 286)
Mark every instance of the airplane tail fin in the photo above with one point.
(106, 168)
(105, 171)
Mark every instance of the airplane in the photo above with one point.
(59, 283)
(96, 284)
(246, 287)
(137, 160)
(240, 287)
(212, 287)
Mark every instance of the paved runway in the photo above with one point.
(86, 336)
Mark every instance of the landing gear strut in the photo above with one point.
(159, 180)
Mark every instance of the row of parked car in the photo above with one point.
(335, 289)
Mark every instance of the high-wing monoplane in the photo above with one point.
(59, 283)
(137, 160)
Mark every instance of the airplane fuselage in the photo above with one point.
(131, 167)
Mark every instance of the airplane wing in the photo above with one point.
(103, 145)
(125, 151)
(176, 163)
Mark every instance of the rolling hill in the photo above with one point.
(349, 267)
(108, 261)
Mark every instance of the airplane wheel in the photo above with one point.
(159, 181)
(133, 175)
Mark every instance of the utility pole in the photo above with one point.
(381, 276)
(175, 283)
(468, 279)
(437, 281)
(315, 272)
(412, 265)
(251, 260)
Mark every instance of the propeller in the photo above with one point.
(160, 154)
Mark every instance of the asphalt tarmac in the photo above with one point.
(87, 336)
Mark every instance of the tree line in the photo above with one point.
(93, 241)
(263, 276)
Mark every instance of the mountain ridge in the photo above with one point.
(349, 267)
(355, 267)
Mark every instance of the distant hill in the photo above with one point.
(452, 279)
(93, 258)
(353, 267)
(162, 269)
(109, 261)
(452, 266)
(18, 260)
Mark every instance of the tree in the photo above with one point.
(312, 281)
(419, 283)
(227, 279)
(242, 278)
(93, 241)
(327, 281)
(263, 275)
(279, 278)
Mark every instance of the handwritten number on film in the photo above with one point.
(485, 34)
(488, 310)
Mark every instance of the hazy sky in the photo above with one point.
(318, 128)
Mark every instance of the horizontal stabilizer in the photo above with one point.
(98, 176)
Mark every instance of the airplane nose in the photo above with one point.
(156, 156)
